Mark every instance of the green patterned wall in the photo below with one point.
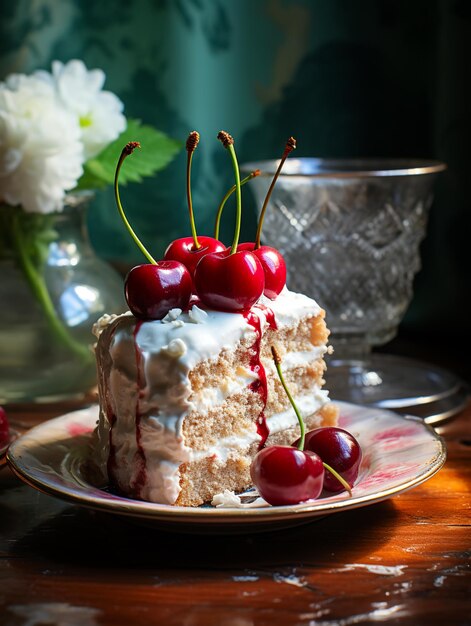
(363, 78)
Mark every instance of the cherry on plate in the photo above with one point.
(339, 449)
(285, 475)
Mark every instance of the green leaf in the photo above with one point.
(157, 151)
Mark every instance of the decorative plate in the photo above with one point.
(399, 452)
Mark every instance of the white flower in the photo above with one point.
(99, 112)
(41, 154)
(50, 124)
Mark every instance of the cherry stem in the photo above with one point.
(226, 198)
(277, 361)
(338, 477)
(290, 146)
(127, 150)
(228, 142)
(191, 143)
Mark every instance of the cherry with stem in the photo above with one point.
(301, 440)
(288, 474)
(272, 261)
(285, 475)
(153, 288)
(231, 280)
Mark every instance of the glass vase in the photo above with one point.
(53, 288)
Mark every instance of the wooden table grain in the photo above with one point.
(404, 561)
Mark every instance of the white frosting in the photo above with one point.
(298, 359)
(144, 369)
(307, 406)
(289, 307)
(215, 395)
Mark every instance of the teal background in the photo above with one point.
(363, 78)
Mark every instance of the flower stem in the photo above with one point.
(277, 361)
(226, 198)
(290, 146)
(39, 288)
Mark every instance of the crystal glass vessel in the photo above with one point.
(350, 232)
(53, 289)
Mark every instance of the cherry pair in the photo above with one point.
(325, 458)
(288, 475)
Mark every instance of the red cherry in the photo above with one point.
(339, 449)
(229, 282)
(184, 250)
(274, 267)
(4, 427)
(151, 290)
(285, 475)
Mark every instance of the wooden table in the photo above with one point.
(403, 561)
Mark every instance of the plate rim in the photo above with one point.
(121, 505)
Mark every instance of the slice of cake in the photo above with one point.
(187, 401)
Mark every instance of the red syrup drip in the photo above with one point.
(260, 385)
(140, 456)
(269, 316)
